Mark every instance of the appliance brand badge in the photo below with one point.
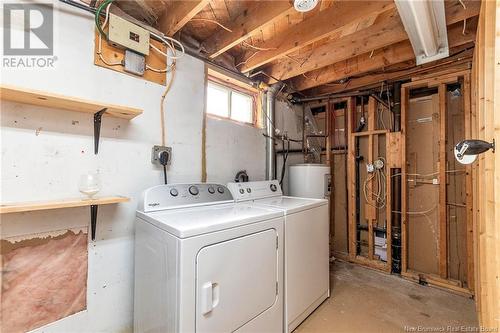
(154, 204)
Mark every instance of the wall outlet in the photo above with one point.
(155, 154)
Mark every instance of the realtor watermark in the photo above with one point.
(28, 36)
(449, 328)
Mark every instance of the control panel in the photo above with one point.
(179, 195)
(255, 190)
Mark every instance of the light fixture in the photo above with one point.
(304, 5)
(466, 151)
(425, 24)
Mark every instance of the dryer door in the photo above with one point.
(236, 281)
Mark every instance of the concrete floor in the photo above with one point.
(364, 300)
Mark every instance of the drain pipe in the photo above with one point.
(396, 190)
(270, 148)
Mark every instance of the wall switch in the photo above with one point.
(157, 151)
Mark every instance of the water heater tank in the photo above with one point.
(309, 181)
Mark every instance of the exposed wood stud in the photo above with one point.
(443, 219)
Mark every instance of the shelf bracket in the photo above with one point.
(97, 129)
(93, 220)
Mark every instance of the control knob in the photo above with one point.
(220, 189)
(193, 190)
(273, 187)
(211, 190)
(174, 192)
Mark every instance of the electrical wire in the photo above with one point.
(97, 16)
(212, 21)
(376, 198)
(99, 49)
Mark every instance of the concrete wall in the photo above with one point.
(289, 120)
(232, 147)
(45, 151)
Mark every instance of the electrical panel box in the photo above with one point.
(125, 34)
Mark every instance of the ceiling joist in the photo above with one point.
(178, 13)
(387, 56)
(402, 71)
(386, 31)
(258, 15)
(342, 18)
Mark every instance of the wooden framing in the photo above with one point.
(443, 227)
(439, 80)
(486, 126)
(401, 52)
(178, 14)
(349, 17)
(351, 182)
(386, 31)
(372, 134)
(258, 15)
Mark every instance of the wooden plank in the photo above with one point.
(373, 264)
(351, 181)
(350, 16)
(436, 281)
(258, 15)
(398, 72)
(58, 204)
(466, 88)
(393, 150)
(56, 101)
(443, 219)
(370, 132)
(178, 13)
(404, 181)
(370, 210)
(488, 128)
(386, 31)
(401, 52)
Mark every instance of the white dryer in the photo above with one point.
(307, 274)
(206, 264)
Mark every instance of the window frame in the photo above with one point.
(230, 88)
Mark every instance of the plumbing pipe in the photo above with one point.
(270, 149)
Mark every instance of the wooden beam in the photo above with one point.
(178, 13)
(396, 72)
(255, 17)
(405, 105)
(381, 58)
(342, 18)
(466, 87)
(386, 31)
(443, 216)
(351, 180)
(370, 207)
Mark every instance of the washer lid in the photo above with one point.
(188, 222)
(291, 204)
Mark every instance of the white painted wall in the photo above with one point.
(45, 151)
(243, 143)
(288, 119)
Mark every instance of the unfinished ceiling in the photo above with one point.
(336, 47)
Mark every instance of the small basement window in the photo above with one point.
(231, 102)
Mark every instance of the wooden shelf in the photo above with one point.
(58, 204)
(66, 203)
(41, 98)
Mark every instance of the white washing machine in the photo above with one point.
(206, 264)
(307, 274)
